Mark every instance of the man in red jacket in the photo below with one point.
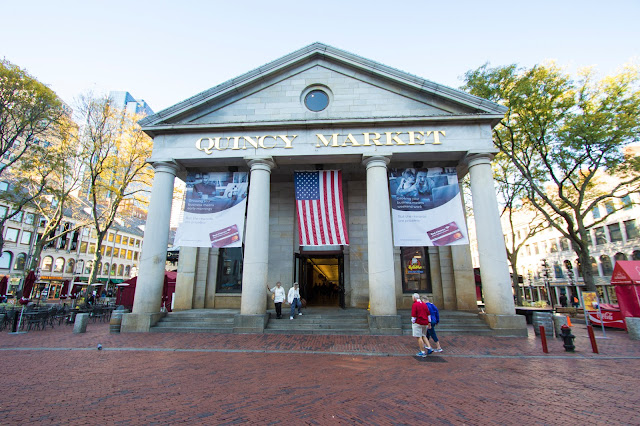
(420, 324)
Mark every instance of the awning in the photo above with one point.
(626, 272)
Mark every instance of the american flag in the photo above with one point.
(320, 208)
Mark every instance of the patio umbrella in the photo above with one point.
(65, 289)
(27, 287)
(75, 290)
(3, 285)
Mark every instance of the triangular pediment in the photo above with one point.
(357, 88)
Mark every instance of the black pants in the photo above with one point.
(278, 310)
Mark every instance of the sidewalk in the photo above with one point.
(616, 343)
(55, 377)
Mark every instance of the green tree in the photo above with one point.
(115, 150)
(567, 139)
(30, 116)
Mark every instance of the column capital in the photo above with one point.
(260, 163)
(376, 160)
(167, 166)
(473, 159)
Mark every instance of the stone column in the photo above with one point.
(148, 297)
(253, 306)
(496, 282)
(382, 298)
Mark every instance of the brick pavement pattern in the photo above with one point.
(57, 377)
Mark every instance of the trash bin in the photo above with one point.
(558, 321)
(544, 319)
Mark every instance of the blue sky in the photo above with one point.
(164, 52)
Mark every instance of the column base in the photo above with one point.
(243, 324)
(140, 323)
(385, 325)
(633, 327)
(506, 325)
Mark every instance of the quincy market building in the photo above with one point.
(321, 108)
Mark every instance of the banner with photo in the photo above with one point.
(427, 207)
(214, 210)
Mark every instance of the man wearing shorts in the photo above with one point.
(420, 324)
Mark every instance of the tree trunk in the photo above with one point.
(514, 279)
(587, 273)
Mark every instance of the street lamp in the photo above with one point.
(546, 274)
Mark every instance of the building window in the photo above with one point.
(627, 204)
(557, 270)
(80, 266)
(619, 256)
(316, 100)
(71, 264)
(84, 246)
(120, 270)
(614, 232)
(25, 238)
(416, 271)
(118, 237)
(4, 186)
(110, 237)
(127, 271)
(129, 254)
(47, 263)
(230, 270)
(601, 238)
(92, 248)
(596, 212)
(11, 235)
(3, 211)
(553, 246)
(105, 271)
(137, 243)
(108, 251)
(135, 255)
(125, 241)
(21, 259)
(527, 249)
(87, 269)
(123, 254)
(59, 265)
(609, 207)
(5, 260)
(605, 261)
(630, 229)
(535, 248)
(564, 244)
(594, 267)
(29, 218)
(114, 269)
(17, 217)
(116, 252)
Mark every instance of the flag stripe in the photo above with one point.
(320, 208)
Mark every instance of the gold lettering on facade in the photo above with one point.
(288, 143)
(436, 137)
(209, 149)
(375, 139)
(350, 139)
(321, 138)
(396, 139)
(253, 143)
(261, 142)
(413, 139)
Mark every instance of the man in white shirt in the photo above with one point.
(278, 298)
(294, 300)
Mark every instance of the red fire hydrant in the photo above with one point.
(567, 337)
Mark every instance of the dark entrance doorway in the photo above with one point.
(321, 278)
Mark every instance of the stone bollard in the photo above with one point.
(633, 327)
(558, 321)
(80, 324)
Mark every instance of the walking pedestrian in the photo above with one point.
(294, 300)
(278, 298)
(420, 324)
(434, 319)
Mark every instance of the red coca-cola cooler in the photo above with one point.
(611, 316)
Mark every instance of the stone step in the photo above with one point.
(346, 331)
(293, 325)
(197, 320)
(187, 329)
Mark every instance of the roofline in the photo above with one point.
(322, 50)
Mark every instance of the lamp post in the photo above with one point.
(545, 274)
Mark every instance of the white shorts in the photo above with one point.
(419, 330)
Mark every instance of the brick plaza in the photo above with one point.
(57, 377)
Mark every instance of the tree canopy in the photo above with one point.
(566, 138)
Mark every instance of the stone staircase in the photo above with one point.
(315, 320)
(197, 321)
(318, 320)
(451, 322)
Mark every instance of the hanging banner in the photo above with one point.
(214, 210)
(426, 207)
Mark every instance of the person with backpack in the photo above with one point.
(434, 320)
(420, 325)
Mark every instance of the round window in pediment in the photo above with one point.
(316, 100)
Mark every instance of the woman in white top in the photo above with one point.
(278, 298)
(294, 300)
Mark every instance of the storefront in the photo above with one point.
(384, 150)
